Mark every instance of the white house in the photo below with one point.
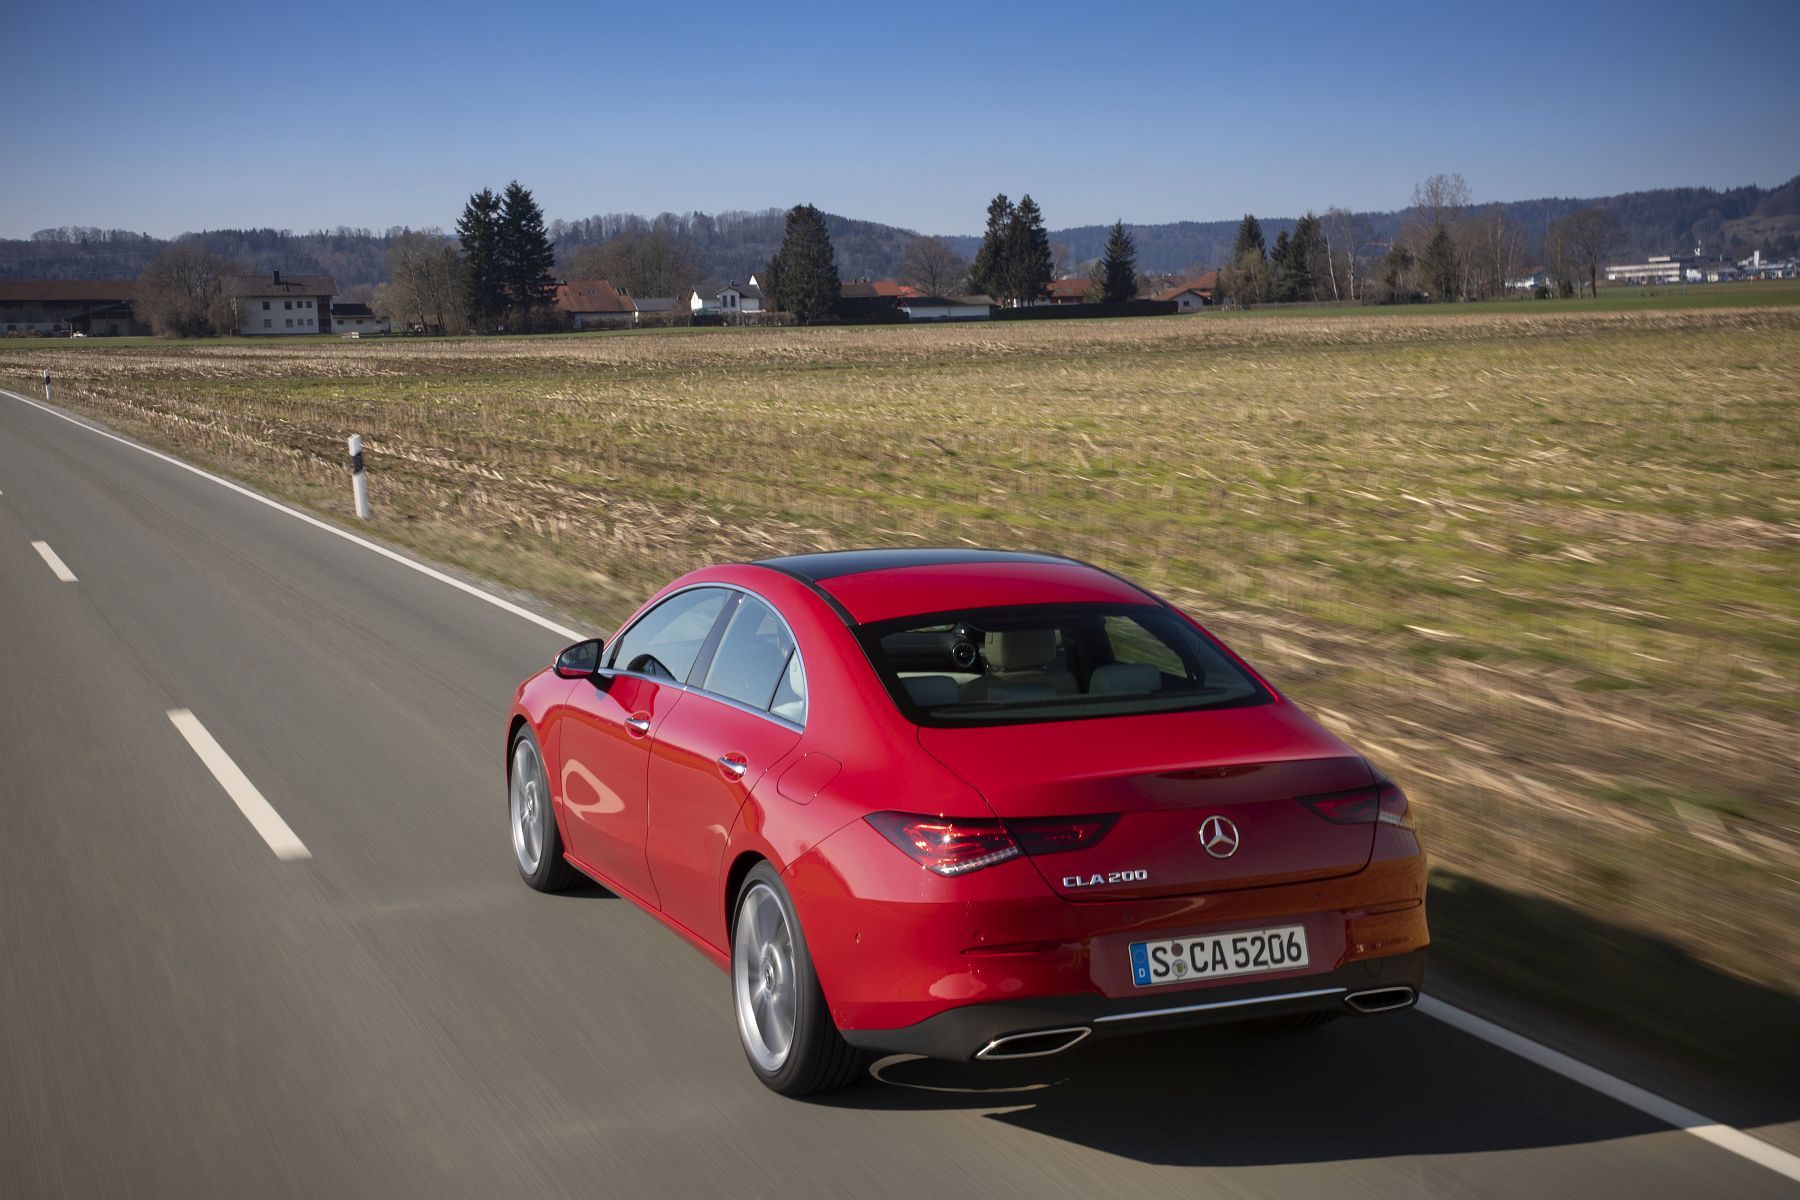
(276, 306)
(1532, 280)
(946, 308)
(734, 297)
(349, 317)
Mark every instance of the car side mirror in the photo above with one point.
(580, 661)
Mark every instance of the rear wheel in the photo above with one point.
(536, 844)
(782, 1018)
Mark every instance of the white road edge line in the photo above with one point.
(258, 811)
(1701, 1126)
(421, 568)
(1629, 1094)
(57, 566)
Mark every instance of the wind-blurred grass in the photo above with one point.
(1539, 562)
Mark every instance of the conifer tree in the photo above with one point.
(1117, 273)
(1249, 239)
(1026, 268)
(1439, 262)
(1306, 249)
(479, 231)
(1281, 269)
(805, 268)
(526, 253)
(986, 274)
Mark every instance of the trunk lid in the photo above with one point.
(1164, 775)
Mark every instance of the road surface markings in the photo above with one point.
(1701, 1126)
(259, 812)
(1629, 1094)
(58, 567)
(485, 597)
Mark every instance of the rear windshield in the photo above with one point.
(1004, 666)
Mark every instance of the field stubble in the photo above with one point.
(1541, 568)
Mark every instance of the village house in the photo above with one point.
(274, 305)
(1193, 294)
(1065, 291)
(734, 297)
(595, 304)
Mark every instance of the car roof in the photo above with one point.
(878, 585)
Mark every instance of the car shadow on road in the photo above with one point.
(1400, 1085)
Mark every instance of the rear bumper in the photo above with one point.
(1050, 1024)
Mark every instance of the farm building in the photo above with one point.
(1065, 291)
(274, 305)
(946, 308)
(351, 317)
(97, 307)
(595, 304)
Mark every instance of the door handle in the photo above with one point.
(639, 726)
(734, 765)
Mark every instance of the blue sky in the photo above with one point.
(175, 117)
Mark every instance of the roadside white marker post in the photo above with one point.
(46, 385)
(359, 481)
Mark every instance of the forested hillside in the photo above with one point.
(732, 245)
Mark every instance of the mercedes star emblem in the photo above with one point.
(1219, 837)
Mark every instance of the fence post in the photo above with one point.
(359, 481)
(46, 385)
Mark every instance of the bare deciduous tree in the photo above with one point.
(181, 294)
(1582, 239)
(426, 283)
(932, 266)
(1345, 234)
(644, 262)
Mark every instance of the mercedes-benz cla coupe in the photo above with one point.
(967, 804)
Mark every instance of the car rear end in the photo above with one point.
(1141, 834)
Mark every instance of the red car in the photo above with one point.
(967, 804)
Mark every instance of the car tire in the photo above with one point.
(783, 1021)
(531, 818)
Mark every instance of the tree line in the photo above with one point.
(1445, 248)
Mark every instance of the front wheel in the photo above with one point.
(782, 1018)
(536, 843)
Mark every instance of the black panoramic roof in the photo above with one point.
(834, 563)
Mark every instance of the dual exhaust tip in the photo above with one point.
(1383, 999)
(1042, 1043)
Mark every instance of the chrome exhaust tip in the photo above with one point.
(1040, 1043)
(1384, 999)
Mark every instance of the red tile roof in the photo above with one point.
(1068, 289)
(1204, 285)
(592, 296)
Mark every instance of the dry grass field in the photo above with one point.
(1541, 566)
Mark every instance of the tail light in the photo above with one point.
(947, 845)
(957, 845)
(1395, 810)
(1383, 804)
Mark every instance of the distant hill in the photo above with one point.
(733, 245)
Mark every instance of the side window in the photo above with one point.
(1132, 643)
(666, 640)
(755, 660)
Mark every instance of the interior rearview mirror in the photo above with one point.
(579, 661)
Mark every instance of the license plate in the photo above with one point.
(1215, 956)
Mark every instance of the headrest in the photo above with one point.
(1125, 677)
(1020, 649)
(929, 691)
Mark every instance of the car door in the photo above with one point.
(744, 716)
(612, 723)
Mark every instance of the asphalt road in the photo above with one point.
(184, 1013)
